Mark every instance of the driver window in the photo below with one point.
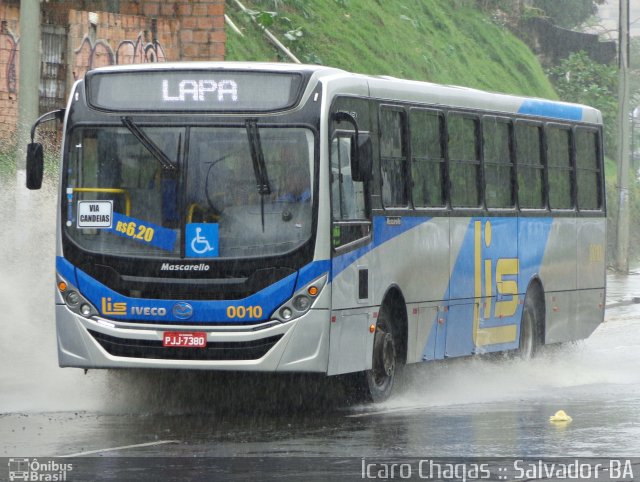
(347, 197)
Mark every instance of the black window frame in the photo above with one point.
(599, 170)
(510, 122)
(405, 158)
(476, 117)
(519, 165)
(571, 168)
(441, 116)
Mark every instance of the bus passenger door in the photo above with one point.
(352, 279)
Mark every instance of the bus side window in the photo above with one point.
(464, 160)
(530, 168)
(559, 167)
(393, 158)
(588, 170)
(498, 164)
(427, 159)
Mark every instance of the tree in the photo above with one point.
(579, 79)
(567, 13)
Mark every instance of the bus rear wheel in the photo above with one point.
(529, 329)
(381, 378)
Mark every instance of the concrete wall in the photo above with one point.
(9, 68)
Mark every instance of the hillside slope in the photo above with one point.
(444, 41)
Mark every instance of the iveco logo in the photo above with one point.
(182, 310)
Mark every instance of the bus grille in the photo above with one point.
(242, 350)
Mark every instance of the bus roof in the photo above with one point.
(398, 90)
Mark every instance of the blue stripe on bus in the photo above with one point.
(555, 110)
(383, 231)
(312, 271)
(269, 299)
(115, 306)
(66, 270)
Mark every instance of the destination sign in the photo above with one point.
(192, 90)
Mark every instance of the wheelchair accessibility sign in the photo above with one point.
(202, 240)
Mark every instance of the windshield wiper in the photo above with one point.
(151, 146)
(259, 166)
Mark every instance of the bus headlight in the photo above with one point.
(286, 313)
(301, 301)
(74, 300)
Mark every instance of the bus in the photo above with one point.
(289, 218)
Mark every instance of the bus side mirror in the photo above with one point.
(35, 155)
(35, 165)
(361, 154)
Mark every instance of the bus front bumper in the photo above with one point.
(301, 345)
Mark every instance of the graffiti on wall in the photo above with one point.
(139, 52)
(8, 56)
(98, 53)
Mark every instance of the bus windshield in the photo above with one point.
(189, 191)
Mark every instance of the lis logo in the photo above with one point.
(114, 309)
(505, 273)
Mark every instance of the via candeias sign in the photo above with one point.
(95, 214)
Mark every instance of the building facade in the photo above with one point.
(80, 35)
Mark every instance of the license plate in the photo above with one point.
(186, 340)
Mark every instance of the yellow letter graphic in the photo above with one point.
(490, 335)
(507, 267)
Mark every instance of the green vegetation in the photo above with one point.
(9, 156)
(580, 79)
(567, 13)
(444, 41)
(7, 159)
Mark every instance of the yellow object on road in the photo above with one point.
(560, 416)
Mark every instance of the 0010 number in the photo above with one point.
(244, 312)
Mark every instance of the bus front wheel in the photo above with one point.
(381, 378)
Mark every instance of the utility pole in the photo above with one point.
(622, 251)
(29, 81)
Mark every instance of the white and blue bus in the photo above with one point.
(287, 218)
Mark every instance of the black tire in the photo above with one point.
(385, 364)
(530, 339)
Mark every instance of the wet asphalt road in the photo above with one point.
(460, 408)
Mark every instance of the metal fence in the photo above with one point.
(53, 68)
